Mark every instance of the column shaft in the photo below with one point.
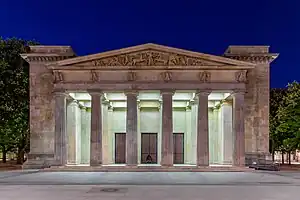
(238, 129)
(96, 130)
(105, 135)
(227, 132)
(131, 128)
(60, 128)
(202, 129)
(167, 129)
(71, 132)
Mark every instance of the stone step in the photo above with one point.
(147, 169)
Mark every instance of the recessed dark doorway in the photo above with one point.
(178, 145)
(149, 148)
(120, 148)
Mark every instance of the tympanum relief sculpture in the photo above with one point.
(151, 58)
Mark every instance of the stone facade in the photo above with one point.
(55, 71)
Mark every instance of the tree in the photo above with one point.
(276, 100)
(289, 119)
(14, 97)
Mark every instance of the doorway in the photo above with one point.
(178, 145)
(120, 148)
(149, 148)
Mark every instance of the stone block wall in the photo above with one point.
(256, 98)
(42, 103)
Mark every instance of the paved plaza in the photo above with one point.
(149, 185)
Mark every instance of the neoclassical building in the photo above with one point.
(148, 105)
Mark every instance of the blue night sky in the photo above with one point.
(93, 26)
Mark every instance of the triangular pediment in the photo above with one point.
(151, 55)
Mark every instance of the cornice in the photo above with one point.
(53, 66)
(155, 54)
(44, 58)
(254, 58)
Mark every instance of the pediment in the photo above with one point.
(150, 55)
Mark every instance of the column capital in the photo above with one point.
(110, 108)
(73, 102)
(95, 92)
(195, 101)
(238, 92)
(131, 92)
(82, 107)
(172, 92)
(205, 92)
(69, 99)
(58, 93)
(105, 102)
(188, 108)
(227, 102)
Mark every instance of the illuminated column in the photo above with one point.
(131, 128)
(202, 129)
(96, 129)
(238, 129)
(167, 128)
(60, 128)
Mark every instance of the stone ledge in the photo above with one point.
(147, 169)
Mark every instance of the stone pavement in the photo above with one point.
(150, 185)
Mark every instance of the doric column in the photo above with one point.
(96, 129)
(238, 129)
(60, 128)
(227, 132)
(105, 134)
(85, 135)
(167, 128)
(111, 135)
(131, 128)
(71, 124)
(139, 136)
(202, 129)
(188, 151)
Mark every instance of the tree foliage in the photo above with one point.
(276, 100)
(288, 115)
(14, 95)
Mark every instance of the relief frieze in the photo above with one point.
(151, 58)
(57, 77)
(94, 76)
(241, 76)
(204, 76)
(131, 76)
(166, 76)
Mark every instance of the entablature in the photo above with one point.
(142, 76)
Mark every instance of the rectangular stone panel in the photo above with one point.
(76, 76)
(178, 145)
(120, 145)
(149, 148)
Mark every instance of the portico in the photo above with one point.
(145, 105)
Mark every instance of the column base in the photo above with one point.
(203, 165)
(132, 165)
(167, 165)
(227, 162)
(40, 161)
(258, 157)
(95, 163)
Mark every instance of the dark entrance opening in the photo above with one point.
(178, 145)
(149, 148)
(120, 148)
